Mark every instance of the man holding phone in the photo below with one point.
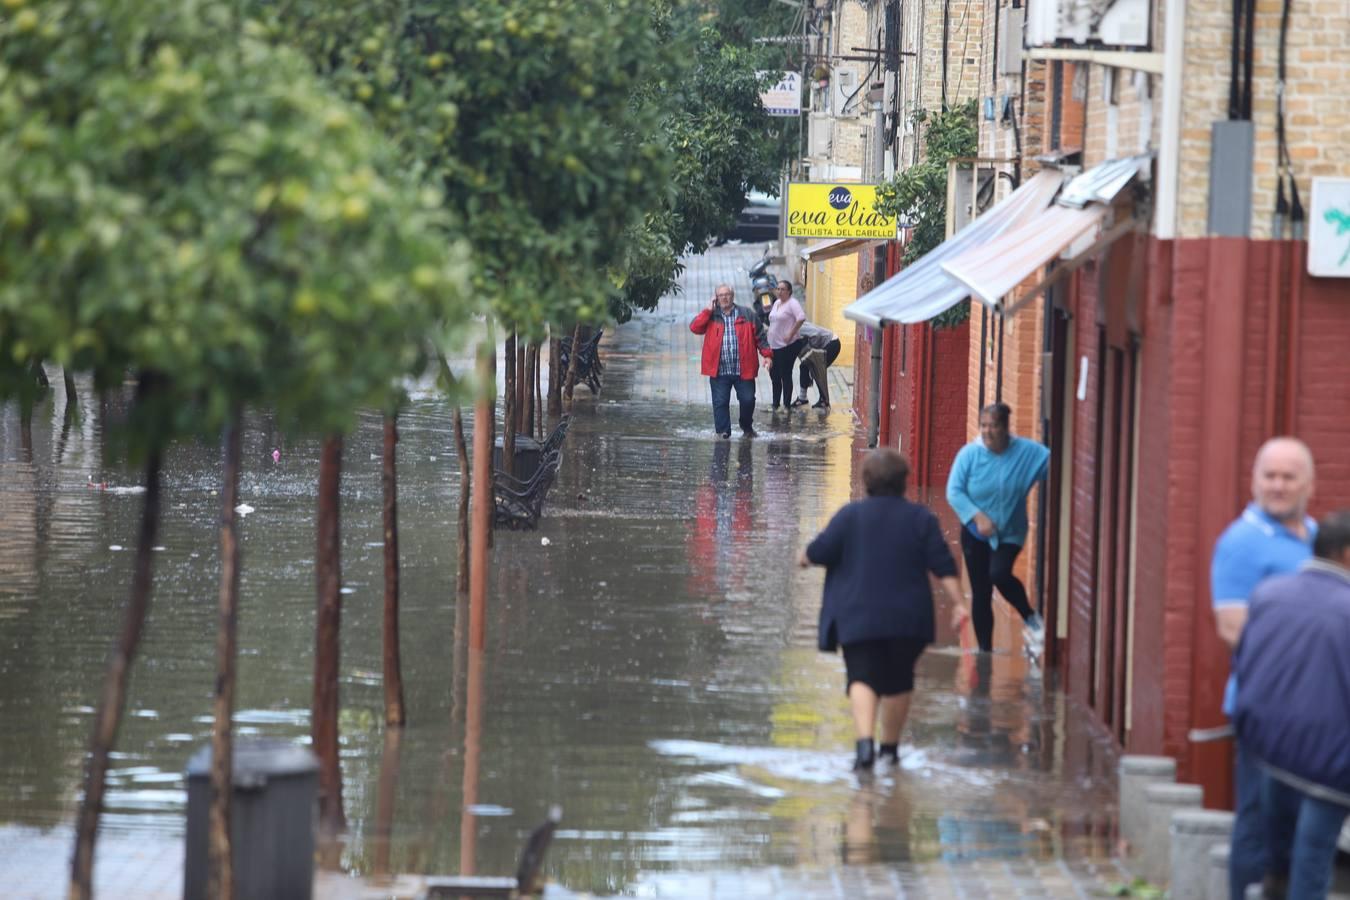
(732, 337)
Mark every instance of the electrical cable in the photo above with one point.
(946, 39)
(1249, 56)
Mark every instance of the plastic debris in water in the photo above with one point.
(276, 455)
(243, 509)
(544, 542)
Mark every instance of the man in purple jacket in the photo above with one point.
(1293, 711)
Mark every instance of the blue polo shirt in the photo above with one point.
(1249, 551)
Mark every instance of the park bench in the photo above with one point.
(517, 503)
(527, 881)
(590, 369)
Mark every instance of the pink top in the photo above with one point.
(783, 318)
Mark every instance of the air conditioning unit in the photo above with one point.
(845, 98)
(1117, 23)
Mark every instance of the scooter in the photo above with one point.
(762, 285)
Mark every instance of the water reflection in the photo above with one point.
(651, 668)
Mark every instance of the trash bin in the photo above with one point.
(528, 453)
(272, 816)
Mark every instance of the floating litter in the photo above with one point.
(544, 542)
(243, 509)
(114, 547)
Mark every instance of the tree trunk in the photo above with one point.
(328, 622)
(522, 386)
(394, 713)
(385, 801)
(220, 884)
(109, 715)
(528, 389)
(538, 391)
(72, 398)
(465, 484)
(555, 376)
(482, 498)
(510, 409)
(571, 381)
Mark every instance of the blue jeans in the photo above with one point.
(1301, 833)
(721, 400)
(1247, 855)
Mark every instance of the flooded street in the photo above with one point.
(650, 663)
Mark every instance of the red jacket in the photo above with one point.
(749, 338)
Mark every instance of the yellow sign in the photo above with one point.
(827, 210)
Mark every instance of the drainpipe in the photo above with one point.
(1169, 155)
(874, 395)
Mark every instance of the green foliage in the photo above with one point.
(186, 202)
(522, 113)
(919, 193)
(723, 143)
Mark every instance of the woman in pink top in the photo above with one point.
(785, 320)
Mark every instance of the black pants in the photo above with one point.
(987, 569)
(831, 354)
(780, 373)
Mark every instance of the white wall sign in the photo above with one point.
(1329, 228)
(785, 97)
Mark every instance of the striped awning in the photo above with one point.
(924, 289)
(991, 271)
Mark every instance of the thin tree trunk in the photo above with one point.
(72, 398)
(528, 387)
(538, 391)
(220, 884)
(522, 385)
(324, 716)
(482, 498)
(385, 801)
(554, 375)
(510, 409)
(465, 484)
(109, 715)
(571, 381)
(394, 713)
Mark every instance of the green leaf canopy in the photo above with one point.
(183, 199)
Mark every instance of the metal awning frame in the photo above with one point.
(1108, 237)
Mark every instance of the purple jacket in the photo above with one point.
(1293, 672)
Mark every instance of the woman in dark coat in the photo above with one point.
(878, 553)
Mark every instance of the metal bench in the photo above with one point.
(517, 503)
(590, 368)
(527, 882)
(555, 440)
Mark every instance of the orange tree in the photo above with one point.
(189, 204)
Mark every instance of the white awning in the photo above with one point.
(924, 289)
(832, 248)
(994, 269)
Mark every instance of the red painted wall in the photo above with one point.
(1212, 388)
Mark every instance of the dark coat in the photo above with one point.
(878, 553)
(1293, 675)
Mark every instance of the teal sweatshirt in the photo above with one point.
(997, 485)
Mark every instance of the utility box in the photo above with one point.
(272, 816)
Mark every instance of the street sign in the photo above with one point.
(826, 210)
(1329, 228)
(785, 97)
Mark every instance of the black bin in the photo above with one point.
(272, 816)
(528, 453)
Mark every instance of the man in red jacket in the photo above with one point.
(731, 337)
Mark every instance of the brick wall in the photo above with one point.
(1317, 102)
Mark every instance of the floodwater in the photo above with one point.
(650, 663)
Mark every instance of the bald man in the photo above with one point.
(1273, 536)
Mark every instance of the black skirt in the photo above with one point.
(886, 665)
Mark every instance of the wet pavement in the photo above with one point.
(651, 665)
